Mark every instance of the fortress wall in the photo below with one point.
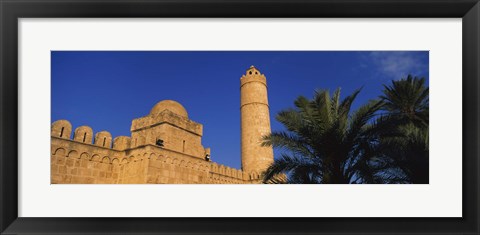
(133, 170)
(84, 160)
(80, 163)
(171, 167)
(167, 170)
(71, 166)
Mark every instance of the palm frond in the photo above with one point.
(288, 164)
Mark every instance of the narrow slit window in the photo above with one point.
(84, 137)
(184, 146)
(61, 132)
(104, 139)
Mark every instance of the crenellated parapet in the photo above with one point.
(121, 143)
(222, 170)
(253, 75)
(84, 134)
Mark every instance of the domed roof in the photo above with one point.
(171, 105)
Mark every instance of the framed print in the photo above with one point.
(239, 117)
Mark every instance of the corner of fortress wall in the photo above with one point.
(93, 159)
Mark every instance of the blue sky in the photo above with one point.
(106, 90)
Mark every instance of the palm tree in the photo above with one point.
(325, 142)
(406, 107)
(407, 99)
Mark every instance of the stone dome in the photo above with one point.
(171, 105)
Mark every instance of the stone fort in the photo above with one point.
(165, 146)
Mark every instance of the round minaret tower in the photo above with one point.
(255, 118)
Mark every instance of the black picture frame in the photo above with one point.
(12, 10)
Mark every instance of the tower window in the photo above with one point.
(159, 142)
(184, 146)
(250, 72)
(104, 139)
(61, 132)
(84, 137)
(256, 72)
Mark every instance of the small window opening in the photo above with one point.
(256, 72)
(250, 72)
(159, 142)
(184, 146)
(61, 132)
(84, 137)
(104, 139)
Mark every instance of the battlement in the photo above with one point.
(84, 134)
(253, 75)
(223, 170)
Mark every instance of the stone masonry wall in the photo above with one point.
(78, 162)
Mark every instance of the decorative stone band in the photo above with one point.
(259, 103)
